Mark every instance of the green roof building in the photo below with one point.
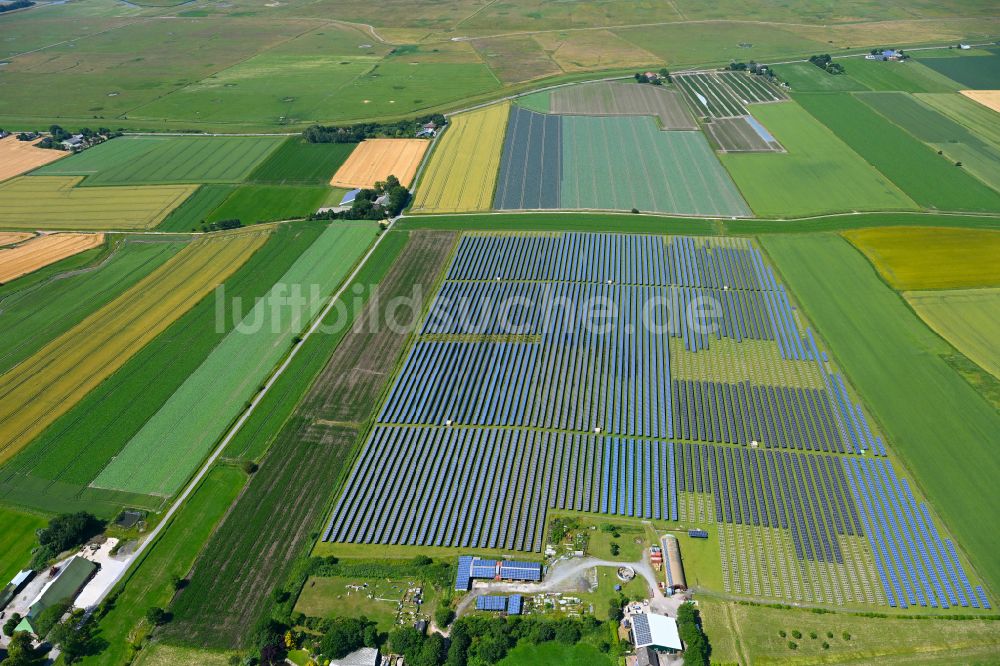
(64, 587)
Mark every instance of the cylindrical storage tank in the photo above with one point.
(675, 570)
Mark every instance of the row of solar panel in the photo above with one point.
(580, 380)
(491, 488)
(511, 605)
(916, 566)
(742, 413)
(618, 258)
(803, 493)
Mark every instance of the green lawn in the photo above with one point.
(195, 210)
(150, 583)
(37, 311)
(928, 178)
(298, 162)
(607, 579)
(556, 654)
(186, 427)
(819, 173)
(936, 422)
(378, 601)
(17, 539)
(807, 77)
(265, 203)
(135, 160)
(910, 76)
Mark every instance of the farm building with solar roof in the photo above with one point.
(656, 631)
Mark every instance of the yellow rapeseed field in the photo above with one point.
(55, 202)
(45, 386)
(462, 171)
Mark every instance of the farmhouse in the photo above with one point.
(74, 142)
(470, 567)
(650, 630)
(363, 657)
(66, 584)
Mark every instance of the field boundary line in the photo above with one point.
(203, 471)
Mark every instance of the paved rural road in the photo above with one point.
(193, 484)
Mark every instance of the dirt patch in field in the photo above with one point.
(377, 159)
(17, 157)
(988, 98)
(42, 251)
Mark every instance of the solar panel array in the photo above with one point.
(515, 603)
(515, 570)
(641, 631)
(774, 416)
(490, 488)
(510, 402)
(916, 566)
(491, 603)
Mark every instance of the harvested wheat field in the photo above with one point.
(988, 98)
(42, 251)
(11, 237)
(17, 157)
(45, 386)
(377, 159)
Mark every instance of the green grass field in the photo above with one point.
(931, 258)
(329, 597)
(184, 429)
(807, 77)
(265, 203)
(53, 473)
(977, 71)
(976, 117)
(150, 582)
(966, 318)
(54, 202)
(819, 173)
(298, 162)
(909, 76)
(626, 162)
(17, 541)
(195, 210)
(258, 432)
(955, 141)
(555, 654)
(136, 160)
(934, 421)
(750, 634)
(38, 311)
(929, 179)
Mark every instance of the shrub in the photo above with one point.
(792, 645)
(829, 634)
(812, 634)
(846, 636)
(826, 646)
(796, 634)
(443, 616)
(781, 632)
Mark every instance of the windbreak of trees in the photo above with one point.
(825, 62)
(697, 651)
(63, 533)
(361, 131)
(17, 4)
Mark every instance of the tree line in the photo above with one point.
(17, 4)
(387, 199)
(361, 131)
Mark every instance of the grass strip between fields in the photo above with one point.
(42, 388)
(935, 421)
(183, 431)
